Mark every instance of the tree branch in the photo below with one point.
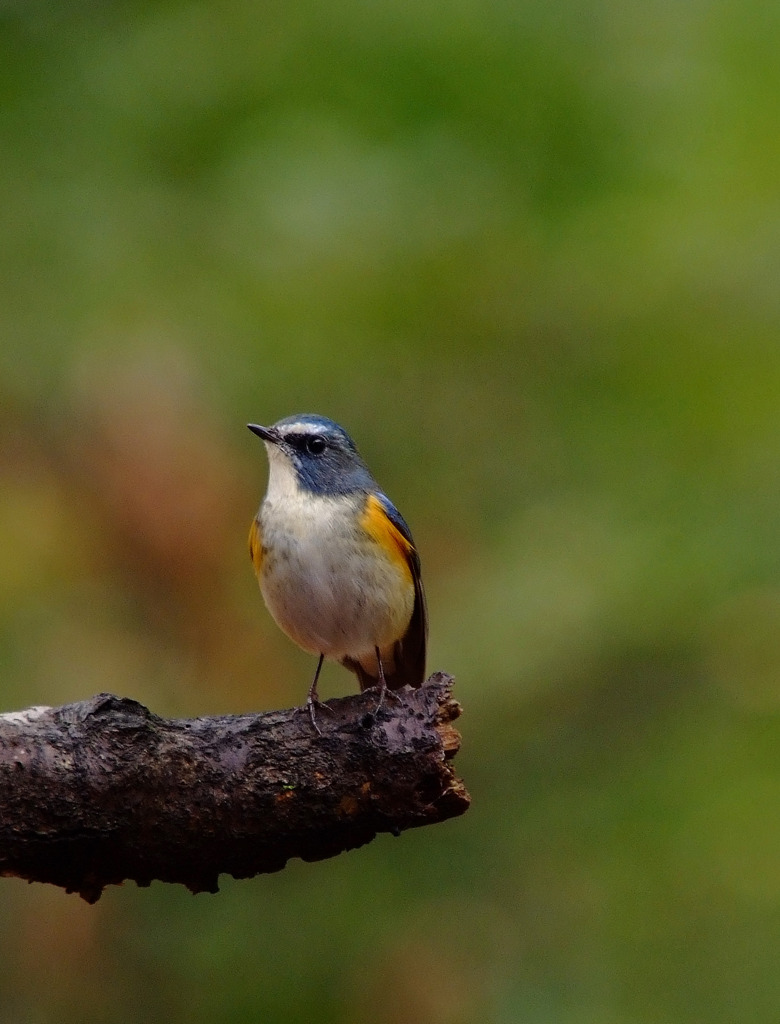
(102, 790)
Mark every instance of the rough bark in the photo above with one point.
(103, 790)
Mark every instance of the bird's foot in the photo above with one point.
(384, 689)
(311, 706)
(385, 693)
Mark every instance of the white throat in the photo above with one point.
(283, 482)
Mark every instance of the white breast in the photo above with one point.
(328, 585)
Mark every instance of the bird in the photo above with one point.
(336, 562)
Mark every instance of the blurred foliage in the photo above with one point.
(528, 254)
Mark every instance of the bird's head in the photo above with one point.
(314, 454)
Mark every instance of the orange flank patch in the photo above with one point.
(376, 523)
(256, 546)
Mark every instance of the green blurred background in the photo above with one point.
(528, 254)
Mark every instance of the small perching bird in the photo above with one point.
(335, 560)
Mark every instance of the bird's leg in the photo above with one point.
(384, 689)
(313, 700)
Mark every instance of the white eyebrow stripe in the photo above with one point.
(302, 428)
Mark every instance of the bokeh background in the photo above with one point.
(528, 253)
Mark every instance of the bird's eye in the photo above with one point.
(315, 445)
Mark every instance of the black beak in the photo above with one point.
(266, 433)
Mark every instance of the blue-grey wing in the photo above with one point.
(411, 649)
